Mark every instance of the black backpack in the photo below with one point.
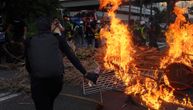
(44, 56)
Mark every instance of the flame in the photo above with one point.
(119, 47)
(179, 38)
(119, 53)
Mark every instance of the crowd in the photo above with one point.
(83, 30)
(146, 33)
(80, 31)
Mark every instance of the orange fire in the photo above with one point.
(119, 47)
(119, 55)
(179, 38)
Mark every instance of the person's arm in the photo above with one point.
(65, 48)
(53, 27)
(61, 28)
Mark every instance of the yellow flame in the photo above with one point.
(119, 47)
(119, 56)
(179, 38)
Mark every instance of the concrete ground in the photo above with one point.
(72, 98)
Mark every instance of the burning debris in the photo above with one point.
(119, 54)
(119, 49)
(179, 38)
(129, 62)
(179, 75)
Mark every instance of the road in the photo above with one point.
(22, 101)
(70, 98)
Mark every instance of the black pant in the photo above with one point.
(45, 90)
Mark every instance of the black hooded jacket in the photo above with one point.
(44, 53)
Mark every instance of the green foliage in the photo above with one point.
(30, 8)
(31, 30)
(45, 7)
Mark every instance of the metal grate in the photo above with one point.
(108, 81)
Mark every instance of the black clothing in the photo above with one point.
(153, 38)
(44, 91)
(43, 24)
(43, 52)
(18, 26)
(89, 31)
(44, 62)
(45, 58)
(65, 48)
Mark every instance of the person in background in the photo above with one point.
(18, 29)
(153, 36)
(143, 36)
(136, 33)
(82, 32)
(97, 34)
(78, 35)
(44, 63)
(68, 33)
(16, 34)
(56, 27)
(68, 26)
(89, 31)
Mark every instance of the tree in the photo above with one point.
(29, 8)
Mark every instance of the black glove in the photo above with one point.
(92, 76)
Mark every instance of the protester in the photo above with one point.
(15, 33)
(78, 35)
(18, 29)
(56, 27)
(97, 35)
(89, 31)
(68, 33)
(153, 36)
(44, 63)
(68, 26)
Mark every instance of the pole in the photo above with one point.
(140, 10)
(151, 8)
(129, 19)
